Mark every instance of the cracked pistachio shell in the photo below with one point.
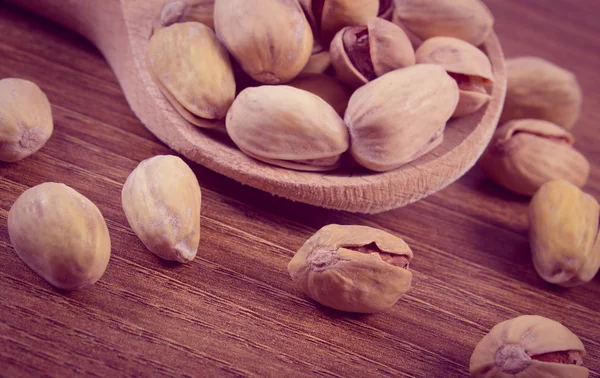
(539, 89)
(177, 11)
(161, 199)
(468, 65)
(360, 54)
(565, 243)
(60, 234)
(192, 69)
(400, 116)
(328, 17)
(353, 268)
(525, 154)
(529, 346)
(326, 87)
(288, 127)
(469, 20)
(25, 119)
(271, 39)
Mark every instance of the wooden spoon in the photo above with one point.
(120, 29)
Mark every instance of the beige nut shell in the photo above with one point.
(400, 116)
(525, 154)
(193, 70)
(162, 199)
(514, 341)
(288, 127)
(459, 57)
(469, 20)
(539, 89)
(25, 119)
(271, 39)
(326, 87)
(60, 234)
(347, 280)
(177, 11)
(564, 238)
(389, 49)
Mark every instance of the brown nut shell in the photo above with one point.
(326, 87)
(288, 127)
(400, 116)
(362, 53)
(328, 17)
(539, 89)
(529, 346)
(25, 119)
(469, 20)
(60, 234)
(468, 65)
(178, 11)
(353, 268)
(564, 238)
(193, 71)
(271, 39)
(525, 154)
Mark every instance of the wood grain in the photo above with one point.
(120, 29)
(234, 311)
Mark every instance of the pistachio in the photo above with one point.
(326, 88)
(319, 61)
(400, 116)
(541, 90)
(469, 20)
(177, 11)
(60, 234)
(271, 39)
(386, 9)
(564, 238)
(360, 54)
(161, 199)
(525, 154)
(193, 71)
(353, 268)
(466, 64)
(328, 17)
(25, 119)
(529, 346)
(288, 127)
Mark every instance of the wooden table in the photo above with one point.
(234, 311)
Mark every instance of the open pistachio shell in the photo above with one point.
(468, 65)
(525, 154)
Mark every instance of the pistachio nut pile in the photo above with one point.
(301, 84)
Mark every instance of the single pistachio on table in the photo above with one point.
(529, 346)
(400, 116)
(539, 89)
(525, 154)
(328, 17)
(271, 39)
(287, 127)
(468, 65)
(177, 11)
(25, 119)
(192, 69)
(564, 238)
(319, 61)
(161, 200)
(469, 20)
(360, 54)
(60, 234)
(386, 9)
(353, 268)
(326, 87)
